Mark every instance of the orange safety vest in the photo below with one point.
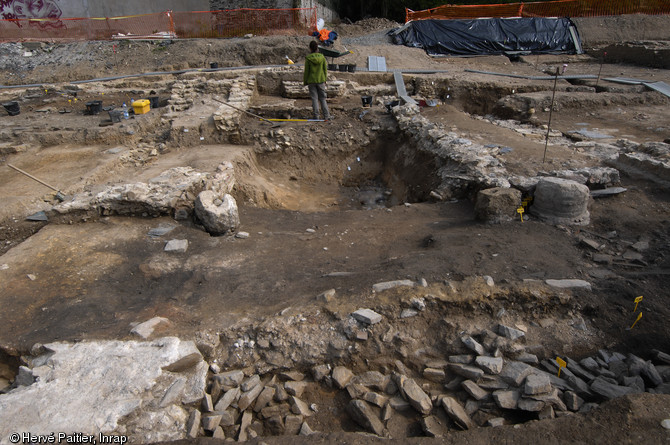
(323, 34)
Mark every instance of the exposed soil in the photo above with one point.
(367, 207)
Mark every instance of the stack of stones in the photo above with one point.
(297, 90)
(241, 407)
(499, 382)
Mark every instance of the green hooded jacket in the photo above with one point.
(316, 69)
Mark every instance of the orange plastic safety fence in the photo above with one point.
(228, 23)
(239, 22)
(558, 8)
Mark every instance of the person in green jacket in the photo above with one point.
(315, 76)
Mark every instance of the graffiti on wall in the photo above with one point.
(32, 9)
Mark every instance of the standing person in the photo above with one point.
(315, 76)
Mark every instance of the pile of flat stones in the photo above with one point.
(497, 382)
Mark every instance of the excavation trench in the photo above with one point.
(385, 172)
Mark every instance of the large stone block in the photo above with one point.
(498, 204)
(561, 201)
(218, 215)
(93, 386)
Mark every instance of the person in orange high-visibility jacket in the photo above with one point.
(315, 76)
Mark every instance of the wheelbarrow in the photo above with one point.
(332, 53)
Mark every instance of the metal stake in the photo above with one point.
(551, 111)
(602, 60)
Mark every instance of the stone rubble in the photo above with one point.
(464, 163)
(172, 193)
(488, 377)
(476, 391)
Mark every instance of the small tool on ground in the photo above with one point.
(59, 195)
(274, 124)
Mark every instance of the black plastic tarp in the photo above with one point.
(532, 35)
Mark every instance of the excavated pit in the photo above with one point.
(386, 172)
(292, 178)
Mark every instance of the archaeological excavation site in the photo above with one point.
(474, 248)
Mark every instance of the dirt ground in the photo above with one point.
(89, 277)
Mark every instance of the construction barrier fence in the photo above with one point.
(162, 25)
(558, 8)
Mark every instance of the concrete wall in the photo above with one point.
(10, 9)
(325, 9)
(94, 8)
(216, 5)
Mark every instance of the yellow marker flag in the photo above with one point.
(561, 364)
(636, 320)
(637, 301)
(520, 211)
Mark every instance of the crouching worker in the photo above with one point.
(315, 76)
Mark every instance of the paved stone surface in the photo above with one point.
(70, 393)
